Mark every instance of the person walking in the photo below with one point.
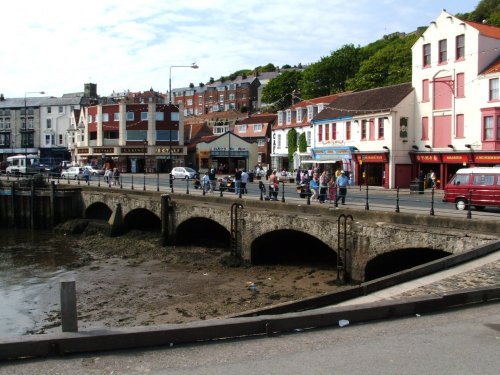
(237, 181)
(323, 186)
(207, 186)
(314, 186)
(342, 183)
(244, 181)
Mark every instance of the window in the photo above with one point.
(160, 116)
(380, 128)
(459, 126)
(144, 116)
(257, 128)
(334, 131)
(426, 55)
(425, 128)
(288, 116)
(242, 128)
(488, 128)
(49, 109)
(116, 116)
(221, 98)
(105, 117)
(460, 47)
(61, 109)
(47, 140)
(299, 115)
(443, 55)
(371, 123)
(310, 112)
(308, 138)
(483, 179)
(260, 142)
(278, 144)
(363, 130)
(425, 90)
(174, 116)
(137, 135)
(190, 102)
(49, 123)
(130, 116)
(320, 133)
(493, 95)
(280, 118)
(327, 132)
(460, 85)
(232, 96)
(60, 139)
(348, 130)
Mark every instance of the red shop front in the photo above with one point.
(444, 165)
(372, 169)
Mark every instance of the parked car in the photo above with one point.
(94, 171)
(184, 173)
(479, 187)
(74, 173)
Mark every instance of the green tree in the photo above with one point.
(302, 142)
(329, 75)
(486, 10)
(292, 144)
(278, 91)
(390, 65)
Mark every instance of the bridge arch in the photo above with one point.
(288, 246)
(142, 219)
(202, 231)
(98, 211)
(399, 260)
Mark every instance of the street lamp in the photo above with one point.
(192, 66)
(26, 128)
(145, 143)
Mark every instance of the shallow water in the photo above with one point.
(31, 264)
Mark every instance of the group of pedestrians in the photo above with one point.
(323, 186)
(112, 176)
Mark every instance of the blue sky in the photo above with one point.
(56, 46)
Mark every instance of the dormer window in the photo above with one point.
(288, 116)
(280, 118)
(310, 112)
(299, 114)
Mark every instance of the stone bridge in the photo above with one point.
(259, 231)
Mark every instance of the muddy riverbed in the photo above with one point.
(133, 281)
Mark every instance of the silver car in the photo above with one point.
(184, 173)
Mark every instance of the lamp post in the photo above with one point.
(145, 144)
(25, 139)
(192, 66)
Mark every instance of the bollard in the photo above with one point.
(397, 199)
(132, 182)
(261, 195)
(367, 206)
(144, 183)
(469, 210)
(283, 191)
(121, 182)
(157, 181)
(308, 199)
(171, 182)
(432, 202)
(187, 186)
(69, 316)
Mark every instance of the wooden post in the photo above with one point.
(69, 316)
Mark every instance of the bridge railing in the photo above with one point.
(430, 202)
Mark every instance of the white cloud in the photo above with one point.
(57, 46)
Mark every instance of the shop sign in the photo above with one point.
(454, 158)
(332, 153)
(426, 158)
(82, 151)
(133, 150)
(204, 154)
(166, 150)
(374, 158)
(487, 158)
(103, 150)
(227, 148)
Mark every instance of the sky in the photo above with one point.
(57, 46)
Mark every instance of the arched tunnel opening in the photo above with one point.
(98, 211)
(202, 232)
(399, 260)
(142, 219)
(290, 247)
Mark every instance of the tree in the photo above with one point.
(278, 92)
(486, 10)
(292, 143)
(302, 142)
(329, 75)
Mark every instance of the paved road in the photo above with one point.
(465, 341)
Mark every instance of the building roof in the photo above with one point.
(316, 101)
(494, 67)
(376, 100)
(259, 118)
(486, 30)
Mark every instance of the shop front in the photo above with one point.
(372, 169)
(332, 159)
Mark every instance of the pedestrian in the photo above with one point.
(213, 179)
(237, 180)
(323, 186)
(273, 186)
(207, 186)
(342, 183)
(332, 190)
(314, 186)
(116, 176)
(244, 181)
